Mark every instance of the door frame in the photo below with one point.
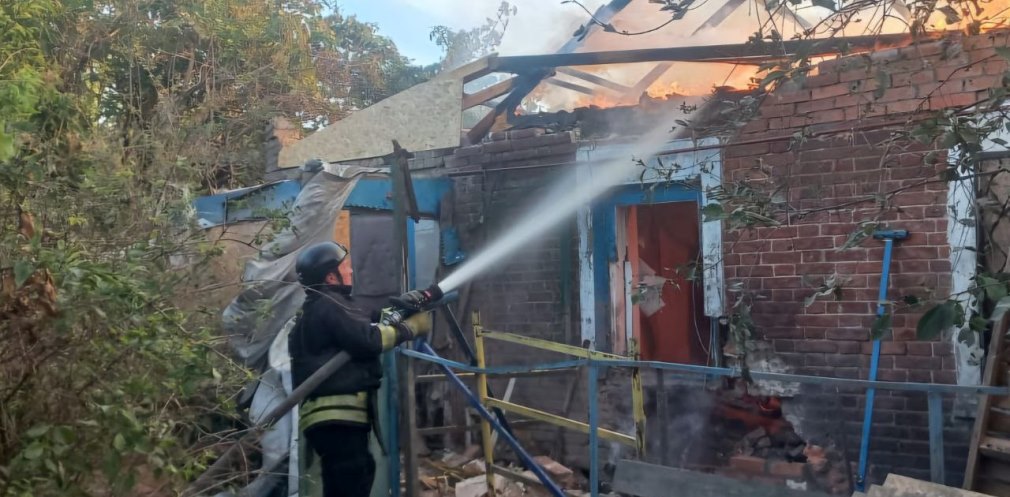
(697, 162)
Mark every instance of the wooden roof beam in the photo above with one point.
(592, 78)
(491, 92)
(736, 53)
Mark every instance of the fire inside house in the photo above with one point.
(660, 267)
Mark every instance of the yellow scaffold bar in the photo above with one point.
(563, 422)
(538, 343)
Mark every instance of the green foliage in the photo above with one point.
(462, 46)
(113, 115)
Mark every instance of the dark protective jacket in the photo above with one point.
(329, 324)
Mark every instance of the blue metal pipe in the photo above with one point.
(864, 443)
(552, 487)
(999, 391)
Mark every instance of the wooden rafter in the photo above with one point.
(570, 86)
(491, 92)
(592, 78)
(643, 84)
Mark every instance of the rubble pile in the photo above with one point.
(451, 474)
(784, 458)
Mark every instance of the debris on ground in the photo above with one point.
(451, 474)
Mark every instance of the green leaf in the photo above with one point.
(994, 289)
(33, 452)
(37, 431)
(1003, 52)
(713, 212)
(978, 323)
(119, 442)
(881, 326)
(22, 271)
(935, 321)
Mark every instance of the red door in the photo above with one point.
(668, 244)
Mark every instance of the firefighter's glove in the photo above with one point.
(416, 300)
(418, 325)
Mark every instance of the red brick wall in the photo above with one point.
(855, 156)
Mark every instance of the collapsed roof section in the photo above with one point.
(428, 116)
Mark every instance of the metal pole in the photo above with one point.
(485, 427)
(511, 440)
(936, 468)
(864, 443)
(594, 422)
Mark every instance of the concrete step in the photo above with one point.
(904, 486)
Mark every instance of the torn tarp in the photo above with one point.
(271, 294)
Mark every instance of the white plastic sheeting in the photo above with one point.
(271, 294)
(258, 320)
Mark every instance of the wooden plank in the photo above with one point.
(476, 69)
(650, 480)
(740, 52)
(643, 84)
(480, 130)
(494, 91)
(995, 447)
(570, 86)
(1001, 322)
(401, 200)
(521, 478)
(592, 78)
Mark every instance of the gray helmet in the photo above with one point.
(316, 261)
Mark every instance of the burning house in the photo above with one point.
(739, 240)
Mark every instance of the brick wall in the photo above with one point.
(855, 156)
(496, 184)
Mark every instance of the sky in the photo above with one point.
(538, 26)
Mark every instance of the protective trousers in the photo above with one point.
(347, 465)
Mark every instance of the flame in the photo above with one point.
(602, 100)
(668, 89)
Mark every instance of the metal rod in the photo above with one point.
(554, 419)
(485, 427)
(864, 442)
(998, 391)
(937, 471)
(511, 440)
(594, 443)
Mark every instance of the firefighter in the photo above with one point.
(337, 416)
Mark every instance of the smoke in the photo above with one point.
(539, 26)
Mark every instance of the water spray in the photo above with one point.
(555, 209)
